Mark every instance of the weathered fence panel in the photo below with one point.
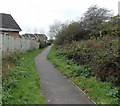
(9, 44)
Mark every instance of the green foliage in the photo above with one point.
(21, 84)
(80, 70)
(100, 92)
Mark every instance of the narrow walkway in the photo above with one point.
(56, 88)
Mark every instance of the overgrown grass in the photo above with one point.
(100, 92)
(21, 82)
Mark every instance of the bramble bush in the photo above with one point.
(101, 56)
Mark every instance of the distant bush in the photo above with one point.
(42, 44)
(101, 56)
(70, 33)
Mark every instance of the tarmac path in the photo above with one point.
(55, 87)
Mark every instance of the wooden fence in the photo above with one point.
(9, 44)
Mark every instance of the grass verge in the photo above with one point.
(100, 92)
(21, 81)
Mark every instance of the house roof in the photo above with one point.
(28, 35)
(41, 35)
(7, 23)
(33, 35)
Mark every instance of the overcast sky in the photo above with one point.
(37, 15)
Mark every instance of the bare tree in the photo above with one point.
(55, 28)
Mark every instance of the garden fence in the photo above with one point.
(9, 45)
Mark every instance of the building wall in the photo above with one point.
(11, 33)
(14, 34)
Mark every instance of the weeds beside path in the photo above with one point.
(21, 82)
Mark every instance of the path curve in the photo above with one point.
(55, 87)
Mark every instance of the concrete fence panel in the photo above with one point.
(11, 44)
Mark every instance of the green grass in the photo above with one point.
(21, 82)
(100, 92)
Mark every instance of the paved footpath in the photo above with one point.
(55, 87)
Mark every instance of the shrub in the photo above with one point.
(42, 44)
